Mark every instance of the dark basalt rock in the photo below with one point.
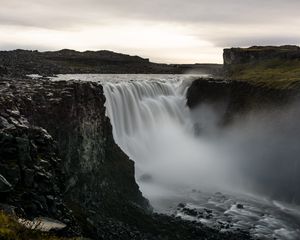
(5, 186)
(235, 98)
(29, 162)
(240, 206)
(3, 70)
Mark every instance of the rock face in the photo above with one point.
(256, 54)
(94, 174)
(237, 97)
(59, 160)
(30, 167)
(278, 67)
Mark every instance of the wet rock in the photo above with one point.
(232, 98)
(12, 173)
(5, 186)
(4, 123)
(181, 205)
(28, 177)
(240, 206)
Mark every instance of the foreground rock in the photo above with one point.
(58, 154)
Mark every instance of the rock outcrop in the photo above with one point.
(277, 67)
(256, 54)
(237, 97)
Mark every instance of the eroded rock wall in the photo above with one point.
(57, 141)
(237, 98)
(257, 54)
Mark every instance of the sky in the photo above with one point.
(170, 31)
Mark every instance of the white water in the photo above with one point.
(147, 117)
(153, 125)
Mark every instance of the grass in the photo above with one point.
(274, 73)
(11, 229)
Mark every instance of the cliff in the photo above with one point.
(59, 161)
(256, 54)
(83, 170)
(238, 97)
(277, 67)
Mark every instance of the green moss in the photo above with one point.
(274, 73)
(10, 229)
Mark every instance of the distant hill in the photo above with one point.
(22, 62)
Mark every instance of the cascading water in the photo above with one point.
(153, 125)
(146, 116)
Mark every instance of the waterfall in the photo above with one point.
(139, 110)
(135, 106)
(153, 126)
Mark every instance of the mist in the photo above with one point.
(265, 148)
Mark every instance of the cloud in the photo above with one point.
(219, 22)
(66, 12)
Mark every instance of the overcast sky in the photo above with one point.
(172, 31)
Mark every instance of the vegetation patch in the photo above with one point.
(11, 229)
(274, 73)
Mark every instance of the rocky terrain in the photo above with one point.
(22, 62)
(59, 161)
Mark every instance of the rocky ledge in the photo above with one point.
(59, 161)
(235, 98)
